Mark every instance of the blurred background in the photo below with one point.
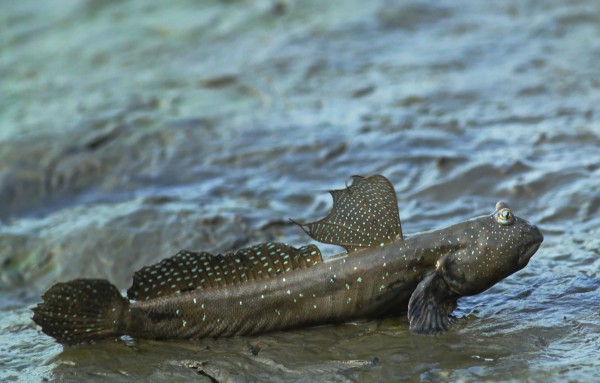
(132, 129)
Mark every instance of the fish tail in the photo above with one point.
(82, 310)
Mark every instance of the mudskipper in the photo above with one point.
(274, 286)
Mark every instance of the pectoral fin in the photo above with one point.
(429, 306)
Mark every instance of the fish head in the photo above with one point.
(490, 248)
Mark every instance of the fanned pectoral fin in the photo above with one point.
(430, 305)
(365, 214)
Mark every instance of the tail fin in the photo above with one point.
(81, 310)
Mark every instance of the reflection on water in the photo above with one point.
(130, 130)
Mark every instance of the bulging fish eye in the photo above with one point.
(505, 216)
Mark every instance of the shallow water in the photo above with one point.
(130, 130)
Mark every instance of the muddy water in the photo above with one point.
(129, 130)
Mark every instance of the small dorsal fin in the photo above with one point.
(365, 214)
(191, 270)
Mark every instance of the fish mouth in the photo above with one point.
(536, 238)
(526, 256)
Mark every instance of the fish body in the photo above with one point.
(274, 286)
(366, 285)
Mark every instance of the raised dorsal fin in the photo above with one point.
(364, 214)
(190, 270)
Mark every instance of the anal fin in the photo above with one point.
(430, 305)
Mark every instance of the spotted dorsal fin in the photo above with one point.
(364, 214)
(190, 270)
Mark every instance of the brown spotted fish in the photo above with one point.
(274, 286)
